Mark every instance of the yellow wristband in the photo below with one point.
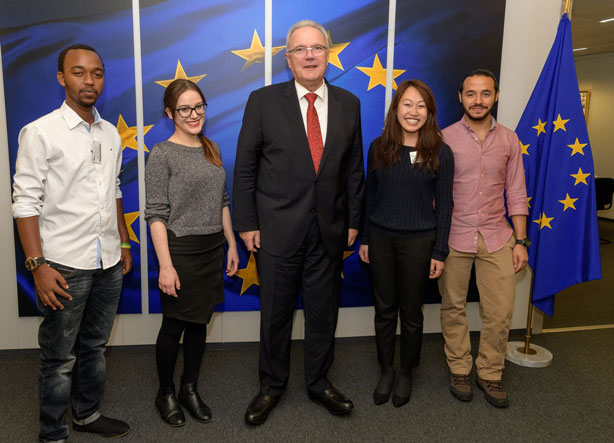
(125, 245)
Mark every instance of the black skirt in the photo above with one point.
(199, 262)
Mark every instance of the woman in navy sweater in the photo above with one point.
(409, 204)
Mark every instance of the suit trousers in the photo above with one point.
(496, 283)
(318, 276)
(399, 269)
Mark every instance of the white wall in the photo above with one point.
(529, 31)
(596, 74)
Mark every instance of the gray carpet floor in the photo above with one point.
(589, 303)
(566, 402)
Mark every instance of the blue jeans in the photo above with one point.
(72, 343)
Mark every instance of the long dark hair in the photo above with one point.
(171, 96)
(387, 146)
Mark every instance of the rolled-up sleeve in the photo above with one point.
(225, 196)
(515, 189)
(31, 170)
(118, 146)
(157, 205)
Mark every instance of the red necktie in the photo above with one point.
(314, 134)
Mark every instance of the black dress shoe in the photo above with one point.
(169, 408)
(189, 399)
(333, 400)
(105, 427)
(384, 386)
(260, 408)
(402, 388)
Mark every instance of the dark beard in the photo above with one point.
(477, 119)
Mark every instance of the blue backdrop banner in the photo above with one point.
(220, 45)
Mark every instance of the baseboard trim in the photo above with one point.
(578, 328)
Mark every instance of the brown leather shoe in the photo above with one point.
(495, 394)
(460, 387)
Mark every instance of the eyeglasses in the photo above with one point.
(301, 51)
(186, 111)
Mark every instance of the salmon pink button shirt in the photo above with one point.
(483, 174)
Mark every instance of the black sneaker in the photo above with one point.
(105, 427)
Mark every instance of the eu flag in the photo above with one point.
(560, 179)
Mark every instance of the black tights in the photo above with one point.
(167, 346)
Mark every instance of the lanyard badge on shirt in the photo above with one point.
(413, 157)
(96, 152)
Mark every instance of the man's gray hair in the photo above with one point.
(304, 24)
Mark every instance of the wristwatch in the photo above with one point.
(32, 263)
(524, 242)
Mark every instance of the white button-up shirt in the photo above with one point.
(321, 105)
(74, 196)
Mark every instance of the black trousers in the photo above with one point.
(318, 276)
(399, 270)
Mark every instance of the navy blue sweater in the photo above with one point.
(407, 201)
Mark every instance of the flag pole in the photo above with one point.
(527, 337)
(567, 11)
(532, 356)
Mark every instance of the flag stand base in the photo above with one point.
(537, 357)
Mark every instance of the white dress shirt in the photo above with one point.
(73, 195)
(321, 105)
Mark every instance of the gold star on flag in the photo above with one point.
(180, 73)
(543, 221)
(377, 74)
(559, 123)
(580, 177)
(334, 51)
(577, 147)
(568, 202)
(346, 254)
(255, 53)
(249, 274)
(524, 148)
(130, 217)
(541, 127)
(128, 134)
(528, 201)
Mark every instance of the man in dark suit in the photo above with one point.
(298, 186)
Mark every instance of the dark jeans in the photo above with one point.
(399, 270)
(72, 343)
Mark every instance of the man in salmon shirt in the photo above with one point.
(488, 174)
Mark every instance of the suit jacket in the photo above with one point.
(276, 189)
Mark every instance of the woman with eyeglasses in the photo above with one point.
(407, 223)
(189, 219)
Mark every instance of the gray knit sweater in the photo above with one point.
(184, 190)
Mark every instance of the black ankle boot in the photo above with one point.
(168, 406)
(384, 386)
(402, 388)
(189, 398)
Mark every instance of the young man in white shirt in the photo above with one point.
(68, 207)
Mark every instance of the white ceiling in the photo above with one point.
(586, 30)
